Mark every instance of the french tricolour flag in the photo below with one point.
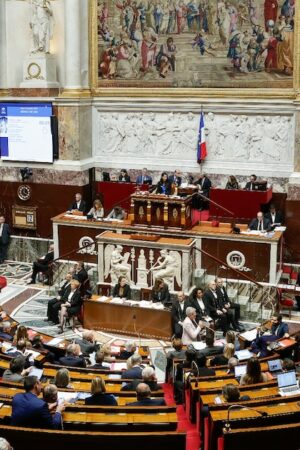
(201, 147)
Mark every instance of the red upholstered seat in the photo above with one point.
(286, 301)
(3, 282)
(286, 269)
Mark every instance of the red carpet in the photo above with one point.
(192, 434)
(199, 215)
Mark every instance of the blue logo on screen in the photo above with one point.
(3, 111)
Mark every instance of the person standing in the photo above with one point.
(4, 238)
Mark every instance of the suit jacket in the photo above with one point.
(213, 350)
(249, 186)
(281, 330)
(124, 354)
(266, 224)
(278, 217)
(72, 361)
(149, 402)
(75, 300)
(87, 347)
(126, 291)
(65, 288)
(162, 295)
(205, 184)
(178, 180)
(101, 399)
(81, 276)
(5, 234)
(133, 384)
(133, 373)
(190, 332)
(127, 179)
(211, 303)
(206, 372)
(159, 188)
(144, 179)
(47, 260)
(82, 206)
(194, 304)
(177, 313)
(223, 296)
(30, 411)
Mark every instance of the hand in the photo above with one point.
(219, 312)
(52, 406)
(60, 408)
(224, 310)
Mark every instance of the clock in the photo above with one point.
(34, 70)
(24, 192)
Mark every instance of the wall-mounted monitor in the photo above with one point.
(26, 132)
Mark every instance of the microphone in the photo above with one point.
(195, 365)
(227, 428)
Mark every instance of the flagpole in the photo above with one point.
(200, 165)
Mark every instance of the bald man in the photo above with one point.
(143, 395)
(260, 223)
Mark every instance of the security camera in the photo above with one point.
(26, 173)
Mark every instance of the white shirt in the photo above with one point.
(260, 225)
(1, 229)
(201, 304)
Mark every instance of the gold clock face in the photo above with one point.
(24, 192)
(34, 70)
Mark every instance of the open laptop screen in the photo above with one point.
(240, 370)
(287, 379)
(274, 365)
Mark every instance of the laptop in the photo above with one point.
(239, 371)
(288, 384)
(275, 367)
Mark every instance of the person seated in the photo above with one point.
(178, 312)
(62, 379)
(275, 217)
(42, 264)
(231, 338)
(5, 329)
(175, 179)
(28, 410)
(231, 394)
(50, 396)
(38, 345)
(99, 359)
(16, 371)
(250, 185)
(22, 333)
(279, 328)
(106, 349)
(73, 357)
(253, 374)
(164, 186)
(196, 301)
(222, 360)
(191, 356)
(21, 350)
(97, 211)
(260, 345)
(260, 223)
(203, 370)
(148, 377)
(165, 60)
(117, 213)
(231, 309)
(78, 205)
(122, 289)
(204, 186)
(232, 363)
(144, 177)
(190, 328)
(211, 349)
(177, 353)
(87, 343)
(72, 305)
(99, 395)
(124, 177)
(135, 372)
(232, 183)
(288, 365)
(80, 272)
(55, 303)
(143, 396)
(213, 307)
(128, 351)
(160, 292)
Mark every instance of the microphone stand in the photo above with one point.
(227, 428)
(195, 365)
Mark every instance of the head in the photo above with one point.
(148, 374)
(230, 337)
(232, 179)
(180, 296)
(21, 345)
(79, 265)
(130, 346)
(122, 281)
(142, 391)
(219, 282)
(232, 363)
(144, 171)
(22, 332)
(276, 319)
(197, 293)
(17, 364)
(4, 444)
(88, 335)
(177, 172)
(191, 355)
(170, 42)
(159, 284)
(136, 359)
(177, 344)
(191, 312)
(62, 378)
(272, 209)
(164, 177)
(260, 216)
(228, 351)
(73, 350)
(74, 285)
(68, 277)
(288, 364)
(37, 341)
(99, 358)
(253, 178)
(253, 369)
(97, 204)
(118, 210)
(2, 219)
(209, 339)
(212, 285)
(50, 392)
(78, 197)
(97, 386)
(231, 393)
(32, 384)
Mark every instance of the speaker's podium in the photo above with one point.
(161, 210)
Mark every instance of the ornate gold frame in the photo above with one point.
(193, 93)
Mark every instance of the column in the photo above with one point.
(3, 49)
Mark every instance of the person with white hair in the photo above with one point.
(148, 377)
(130, 349)
(191, 329)
(4, 444)
(135, 372)
(88, 343)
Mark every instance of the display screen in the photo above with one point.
(25, 132)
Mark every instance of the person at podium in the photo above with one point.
(164, 186)
(144, 177)
(232, 183)
(260, 223)
(160, 292)
(97, 211)
(122, 289)
(78, 205)
(250, 185)
(204, 185)
(124, 177)
(176, 179)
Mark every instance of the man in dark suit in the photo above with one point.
(260, 223)
(136, 370)
(30, 411)
(99, 358)
(233, 310)
(80, 273)
(178, 313)
(55, 303)
(175, 179)
(73, 357)
(211, 302)
(42, 264)
(211, 349)
(78, 204)
(4, 239)
(279, 328)
(143, 396)
(204, 185)
(250, 185)
(87, 343)
(275, 217)
(5, 331)
(144, 178)
(149, 378)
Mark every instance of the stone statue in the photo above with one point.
(167, 266)
(41, 24)
(118, 263)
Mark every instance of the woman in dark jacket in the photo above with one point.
(160, 292)
(122, 289)
(72, 305)
(164, 186)
(99, 395)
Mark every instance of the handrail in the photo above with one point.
(216, 204)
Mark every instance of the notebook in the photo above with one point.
(275, 367)
(287, 384)
(243, 355)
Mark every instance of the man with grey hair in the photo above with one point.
(191, 329)
(135, 372)
(143, 395)
(130, 349)
(73, 357)
(149, 378)
(5, 331)
(4, 444)
(87, 343)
